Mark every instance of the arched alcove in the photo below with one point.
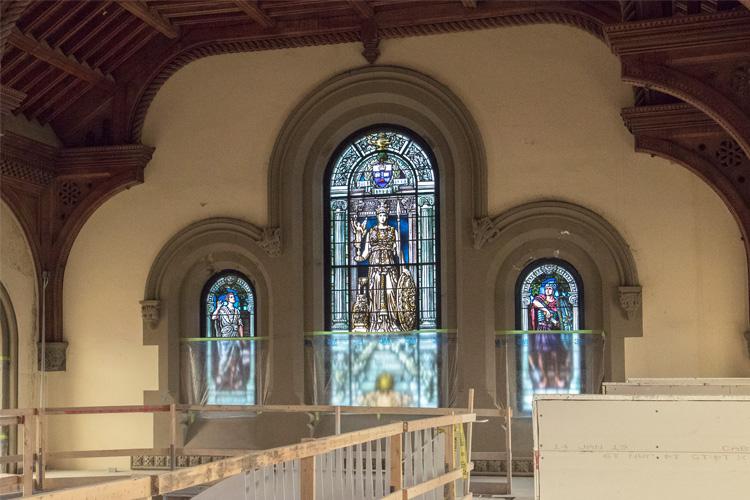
(325, 118)
(174, 290)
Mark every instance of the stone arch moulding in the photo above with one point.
(557, 229)
(399, 91)
(173, 290)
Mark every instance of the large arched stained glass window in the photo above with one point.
(382, 241)
(550, 298)
(229, 314)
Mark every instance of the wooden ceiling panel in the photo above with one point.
(47, 18)
(234, 18)
(108, 39)
(12, 76)
(47, 90)
(100, 25)
(97, 10)
(64, 103)
(55, 99)
(59, 24)
(173, 10)
(300, 9)
(36, 79)
(128, 51)
(127, 38)
(41, 13)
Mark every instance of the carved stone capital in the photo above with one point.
(55, 358)
(630, 300)
(484, 231)
(270, 241)
(150, 310)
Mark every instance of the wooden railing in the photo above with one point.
(331, 459)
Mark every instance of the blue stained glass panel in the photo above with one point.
(229, 313)
(548, 363)
(383, 266)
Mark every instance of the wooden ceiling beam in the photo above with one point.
(151, 17)
(469, 4)
(255, 13)
(362, 8)
(56, 58)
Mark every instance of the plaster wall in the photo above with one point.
(18, 276)
(546, 100)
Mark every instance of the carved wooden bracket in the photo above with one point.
(53, 192)
(686, 136)
(703, 60)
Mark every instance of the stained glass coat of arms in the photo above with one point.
(383, 266)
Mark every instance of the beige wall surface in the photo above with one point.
(18, 276)
(546, 100)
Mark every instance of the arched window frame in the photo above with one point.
(435, 192)
(523, 343)
(253, 353)
(422, 321)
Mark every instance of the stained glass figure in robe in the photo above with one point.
(550, 363)
(230, 365)
(383, 270)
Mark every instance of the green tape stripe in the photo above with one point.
(320, 333)
(221, 339)
(561, 332)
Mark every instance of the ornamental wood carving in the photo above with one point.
(53, 192)
(703, 60)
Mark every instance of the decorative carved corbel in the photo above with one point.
(150, 310)
(271, 241)
(484, 231)
(630, 300)
(55, 356)
(370, 40)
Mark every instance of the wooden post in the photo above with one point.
(468, 440)
(396, 458)
(508, 451)
(450, 460)
(172, 435)
(338, 420)
(307, 478)
(42, 455)
(28, 454)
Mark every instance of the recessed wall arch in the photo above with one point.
(324, 119)
(174, 289)
(583, 238)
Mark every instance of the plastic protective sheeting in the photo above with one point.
(224, 371)
(409, 369)
(547, 362)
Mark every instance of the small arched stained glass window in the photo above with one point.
(549, 361)
(229, 314)
(383, 270)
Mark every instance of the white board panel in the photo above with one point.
(625, 447)
(689, 380)
(697, 387)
